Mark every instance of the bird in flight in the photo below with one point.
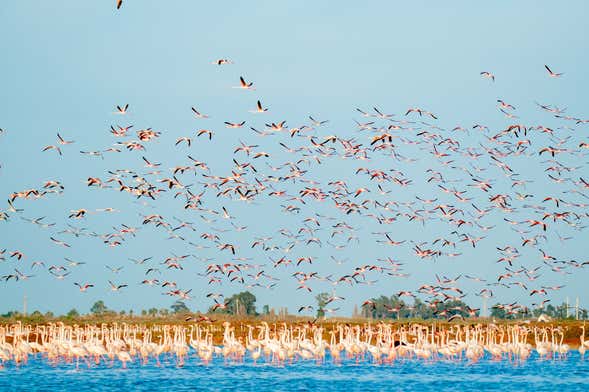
(488, 75)
(259, 108)
(122, 110)
(114, 287)
(62, 141)
(244, 85)
(222, 61)
(53, 147)
(552, 74)
(84, 287)
(199, 114)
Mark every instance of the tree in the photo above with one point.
(73, 313)
(99, 308)
(179, 307)
(240, 304)
(422, 310)
(395, 307)
(385, 307)
(266, 310)
(452, 308)
(11, 313)
(498, 312)
(321, 299)
(243, 303)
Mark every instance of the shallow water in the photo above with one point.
(571, 374)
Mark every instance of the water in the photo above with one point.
(571, 374)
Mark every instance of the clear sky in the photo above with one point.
(66, 65)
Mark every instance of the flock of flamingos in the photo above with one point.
(461, 190)
(511, 198)
(281, 344)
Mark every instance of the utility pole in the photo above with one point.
(485, 306)
(24, 306)
(567, 312)
(577, 309)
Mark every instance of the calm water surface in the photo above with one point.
(409, 375)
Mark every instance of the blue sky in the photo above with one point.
(66, 64)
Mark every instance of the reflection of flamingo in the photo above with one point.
(4, 357)
(256, 353)
(77, 352)
(124, 357)
(582, 347)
